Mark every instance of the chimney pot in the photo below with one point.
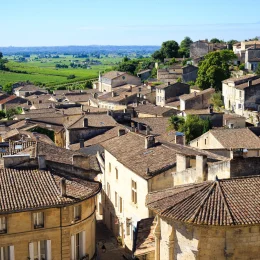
(201, 168)
(63, 187)
(149, 141)
(85, 122)
(81, 143)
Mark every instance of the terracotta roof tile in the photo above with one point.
(21, 190)
(222, 202)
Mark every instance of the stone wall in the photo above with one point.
(198, 49)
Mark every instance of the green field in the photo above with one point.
(43, 70)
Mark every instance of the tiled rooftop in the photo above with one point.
(22, 190)
(196, 94)
(220, 203)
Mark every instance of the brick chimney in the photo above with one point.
(149, 141)
(85, 122)
(63, 187)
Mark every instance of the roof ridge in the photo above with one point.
(202, 203)
(75, 121)
(203, 187)
(225, 203)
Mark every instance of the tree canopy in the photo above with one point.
(214, 69)
(258, 70)
(185, 47)
(169, 49)
(194, 127)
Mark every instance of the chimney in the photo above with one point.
(63, 187)
(195, 93)
(201, 168)
(249, 83)
(81, 143)
(169, 83)
(179, 138)
(113, 93)
(148, 131)
(183, 162)
(85, 122)
(82, 108)
(121, 132)
(41, 162)
(149, 141)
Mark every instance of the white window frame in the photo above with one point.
(81, 237)
(32, 249)
(3, 225)
(10, 252)
(77, 212)
(38, 219)
(134, 192)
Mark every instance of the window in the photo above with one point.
(40, 250)
(3, 226)
(240, 93)
(115, 199)
(116, 174)
(78, 243)
(77, 212)
(134, 192)
(108, 191)
(38, 220)
(239, 106)
(120, 205)
(7, 253)
(109, 167)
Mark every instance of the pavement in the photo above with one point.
(105, 237)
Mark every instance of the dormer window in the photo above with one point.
(3, 225)
(38, 220)
(77, 213)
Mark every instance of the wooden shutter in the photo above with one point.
(82, 243)
(31, 254)
(48, 249)
(72, 245)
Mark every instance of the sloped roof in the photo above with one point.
(154, 110)
(196, 94)
(34, 189)
(219, 203)
(113, 74)
(236, 138)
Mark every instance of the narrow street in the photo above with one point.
(105, 237)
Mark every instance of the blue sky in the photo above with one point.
(123, 22)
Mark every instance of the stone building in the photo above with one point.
(228, 142)
(167, 92)
(196, 100)
(252, 58)
(45, 215)
(113, 79)
(241, 94)
(201, 48)
(217, 219)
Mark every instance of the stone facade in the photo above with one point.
(59, 227)
(180, 241)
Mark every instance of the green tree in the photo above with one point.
(216, 100)
(1, 55)
(258, 70)
(2, 114)
(88, 84)
(214, 69)
(170, 49)
(175, 122)
(13, 111)
(194, 127)
(158, 55)
(215, 40)
(8, 88)
(230, 44)
(184, 50)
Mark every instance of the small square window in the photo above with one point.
(77, 212)
(38, 220)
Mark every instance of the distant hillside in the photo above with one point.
(101, 49)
